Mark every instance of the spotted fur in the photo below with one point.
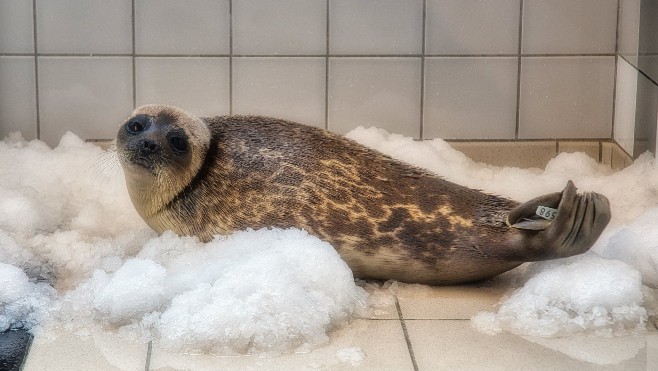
(387, 219)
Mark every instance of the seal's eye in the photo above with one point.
(178, 144)
(135, 126)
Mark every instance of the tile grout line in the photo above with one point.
(406, 335)
(655, 82)
(326, 70)
(36, 67)
(148, 356)
(422, 72)
(346, 56)
(230, 57)
(518, 74)
(600, 151)
(133, 57)
(614, 75)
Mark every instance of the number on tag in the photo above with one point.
(546, 212)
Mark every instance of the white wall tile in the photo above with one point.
(625, 99)
(381, 92)
(198, 85)
(288, 88)
(470, 98)
(279, 27)
(569, 26)
(18, 97)
(629, 29)
(84, 26)
(88, 96)
(375, 26)
(566, 97)
(182, 27)
(646, 119)
(16, 26)
(472, 26)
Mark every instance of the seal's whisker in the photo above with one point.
(105, 165)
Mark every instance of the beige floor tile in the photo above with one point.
(381, 302)
(450, 302)
(606, 153)
(364, 344)
(619, 158)
(598, 350)
(455, 345)
(590, 148)
(98, 351)
(652, 350)
(522, 154)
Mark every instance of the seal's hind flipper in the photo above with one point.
(525, 215)
(578, 223)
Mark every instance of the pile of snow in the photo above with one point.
(23, 304)
(66, 219)
(585, 294)
(269, 290)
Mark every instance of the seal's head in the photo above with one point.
(161, 148)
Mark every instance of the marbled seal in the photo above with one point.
(387, 219)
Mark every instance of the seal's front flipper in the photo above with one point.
(578, 222)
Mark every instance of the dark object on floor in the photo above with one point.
(14, 345)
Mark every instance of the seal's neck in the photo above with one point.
(152, 195)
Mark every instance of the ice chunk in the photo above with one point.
(135, 289)
(581, 294)
(22, 303)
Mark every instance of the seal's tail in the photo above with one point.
(565, 223)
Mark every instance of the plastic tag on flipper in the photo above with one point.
(547, 214)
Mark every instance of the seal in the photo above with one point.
(387, 219)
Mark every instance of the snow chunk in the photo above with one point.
(135, 289)
(22, 303)
(582, 294)
(282, 289)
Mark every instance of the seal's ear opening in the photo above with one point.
(538, 213)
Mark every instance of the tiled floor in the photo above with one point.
(414, 327)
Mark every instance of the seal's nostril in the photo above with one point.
(150, 146)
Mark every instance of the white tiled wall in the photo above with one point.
(281, 27)
(381, 27)
(636, 115)
(569, 26)
(566, 97)
(455, 86)
(472, 26)
(626, 105)
(182, 27)
(16, 34)
(282, 87)
(18, 96)
(83, 27)
(457, 69)
(85, 95)
(169, 80)
(380, 92)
